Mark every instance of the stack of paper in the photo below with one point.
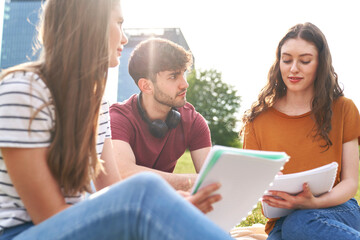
(320, 180)
(244, 176)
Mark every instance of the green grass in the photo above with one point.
(185, 165)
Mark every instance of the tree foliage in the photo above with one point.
(217, 102)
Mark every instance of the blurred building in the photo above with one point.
(20, 18)
(19, 31)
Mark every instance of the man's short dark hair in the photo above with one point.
(156, 55)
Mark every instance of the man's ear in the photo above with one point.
(146, 85)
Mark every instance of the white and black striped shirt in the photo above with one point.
(21, 95)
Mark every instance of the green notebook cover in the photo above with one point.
(217, 154)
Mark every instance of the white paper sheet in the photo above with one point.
(320, 180)
(243, 179)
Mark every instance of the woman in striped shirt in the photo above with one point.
(54, 127)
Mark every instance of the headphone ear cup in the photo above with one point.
(158, 128)
(173, 118)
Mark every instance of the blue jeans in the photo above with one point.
(339, 222)
(141, 207)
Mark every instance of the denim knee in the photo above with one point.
(296, 224)
(146, 182)
(137, 187)
(339, 222)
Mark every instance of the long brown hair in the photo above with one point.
(74, 64)
(326, 85)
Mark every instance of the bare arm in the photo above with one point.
(349, 175)
(34, 182)
(342, 192)
(111, 174)
(203, 199)
(126, 163)
(198, 157)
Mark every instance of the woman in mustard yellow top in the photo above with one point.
(303, 112)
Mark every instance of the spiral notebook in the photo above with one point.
(244, 176)
(320, 180)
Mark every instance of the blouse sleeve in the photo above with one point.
(351, 122)
(200, 134)
(250, 141)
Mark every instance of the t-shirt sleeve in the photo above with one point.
(26, 118)
(250, 141)
(105, 118)
(351, 122)
(108, 129)
(199, 134)
(121, 127)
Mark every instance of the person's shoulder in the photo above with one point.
(345, 108)
(270, 112)
(104, 106)
(23, 78)
(125, 111)
(343, 102)
(188, 107)
(188, 112)
(25, 83)
(124, 107)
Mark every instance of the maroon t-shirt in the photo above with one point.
(158, 153)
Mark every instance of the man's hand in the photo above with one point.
(204, 198)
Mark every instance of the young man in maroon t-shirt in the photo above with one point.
(152, 130)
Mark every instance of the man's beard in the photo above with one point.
(165, 99)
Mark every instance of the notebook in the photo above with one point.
(244, 176)
(320, 180)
